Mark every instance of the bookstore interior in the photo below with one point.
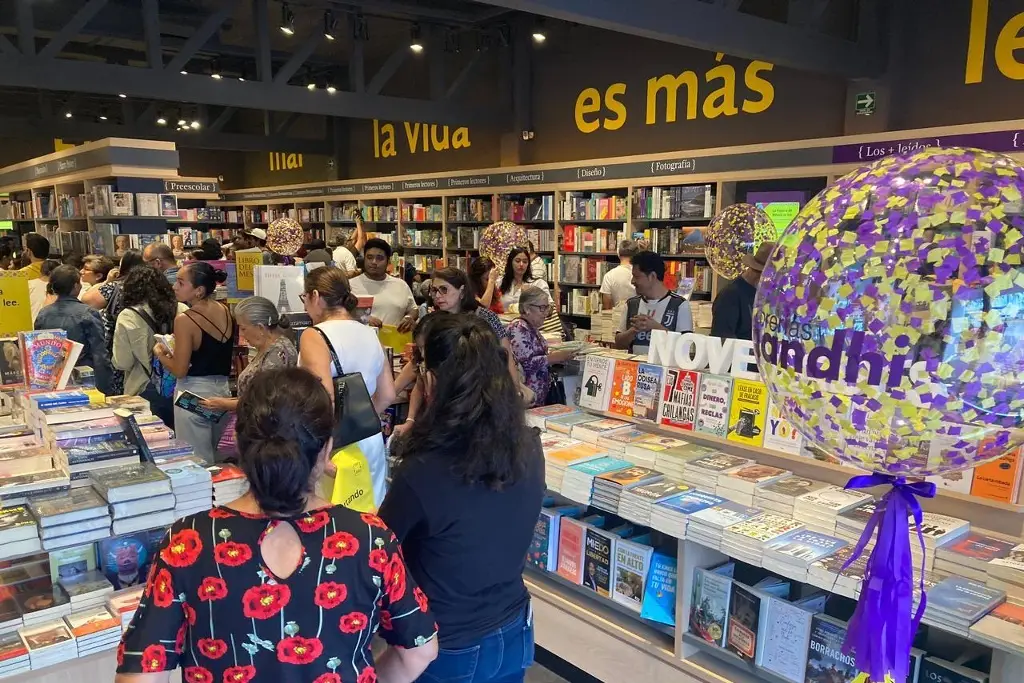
(699, 525)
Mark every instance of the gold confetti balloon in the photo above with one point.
(889, 320)
(498, 240)
(284, 236)
(737, 231)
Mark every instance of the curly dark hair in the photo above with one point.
(507, 279)
(146, 285)
(285, 420)
(474, 415)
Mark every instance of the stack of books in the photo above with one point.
(43, 605)
(229, 483)
(707, 527)
(124, 603)
(87, 591)
(740, 485)
(851, 523)
(1002, 628)
(563, 424)
(590, 432)
(13, 655)
(18, 489)
(956, 603)
(746, 540)
(793, 554)
(172, 449)
(80, 516)
(616, 441)
(83, 459)
(703, 472)
(608, 486)
(780, 496)
(19, 534)
(636, 502)
(538, 417)
(95, 630)
(108, 429)
(49, 644)
(23, 455)
(672, 515)
(672, 459)
(139, 496)
(1007, 573)
(970, 554)
(561, 453)
(937, 530)
(818, 509)
(191, 484)
(10, 616)
(828, 573)
(578, 482)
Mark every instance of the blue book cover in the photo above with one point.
(692, 501)
(61, 399)
(804, 545)
(660, 592)
(601, 466)
(543, 551)
(964, 599)
(572, 419)
(125, 559)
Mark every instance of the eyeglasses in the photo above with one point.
(443, 290)
(303, 297)
(544, 308)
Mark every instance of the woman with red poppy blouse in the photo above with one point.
(279, 585)
(464, 502)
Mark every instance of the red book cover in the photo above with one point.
(568, 238)
(679, 402)
(623, 387)
(570, 550)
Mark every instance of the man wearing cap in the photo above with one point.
(258, 240)
(734, 306)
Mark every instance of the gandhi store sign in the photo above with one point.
(686, 94)
(1009, 39)
(417, 137)
(700, 352)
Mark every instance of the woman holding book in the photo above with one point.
(530, 348)
(107, 298)
(201, 357)
(464, 501)
(261, 326)
(279, 585)
(150, 308)
(518, 275)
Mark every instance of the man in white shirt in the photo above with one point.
(393, 302)
(538, 268)
(617, 284)
(654, 307)
(343, 255)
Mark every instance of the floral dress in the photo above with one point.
(531, 353)
(214, 609)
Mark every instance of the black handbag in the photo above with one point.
(355, 417)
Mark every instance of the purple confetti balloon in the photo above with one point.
(889, 321)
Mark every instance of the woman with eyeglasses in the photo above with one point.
(528, 346)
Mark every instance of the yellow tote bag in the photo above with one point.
(353, 485)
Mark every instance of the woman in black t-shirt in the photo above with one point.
(464, 501)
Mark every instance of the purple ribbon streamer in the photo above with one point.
(881, 631)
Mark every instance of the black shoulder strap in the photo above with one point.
(148, 319)
(330, 347)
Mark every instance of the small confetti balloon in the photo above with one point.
(498, 239)
(737, 231)
(284, 236)
(889, 321)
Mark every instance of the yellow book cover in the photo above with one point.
(748, 411)
(14, 300)
(391, 337)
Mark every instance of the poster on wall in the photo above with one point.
(781, 207)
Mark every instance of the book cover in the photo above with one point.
(716, 463)
(709, 606)
(46, 636)
(659, 601)
(713, 404)
(130, 425)
(42, 354)
(169, 205)
(42, 599)
(979, 546)
(764, 527)
(122, 204)
(92, 621)
(1003, 626)
(72, 563)
(679, 404)
(745, 610)
(963, 599)
(832, 498)
(790, 488)
(999, 479)
(691, 501)
(825, 658)
(628, 475)
(935, 670)
(659, 490)
(632, 563)
(543, 552)
(596, 382)
(110, 480)
(11, 647)
(570, 550)
(779, 433)
(724, 515)
(597, 561)
(748, 412)
(68, 507)
(803, 546)
(125, 560)
(623, 387)
(648, 391)
(12, 372)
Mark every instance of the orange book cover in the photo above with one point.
(570, 550)
(998, 479)
(623, 387)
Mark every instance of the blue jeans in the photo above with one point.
(502, 656)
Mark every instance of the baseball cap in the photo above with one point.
(258, 233)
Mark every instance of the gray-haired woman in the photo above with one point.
(262, 328)
(528, 346)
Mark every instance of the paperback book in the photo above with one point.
(42, 357)
(659, 601)
(780, 434)
(632, 564)
(747, 612)
(623, 387)
(130, 482)
(649, 379)
(748, 412)
(713, 405)
(709, 603)
(543, 552)
(596, 382)
(597, 567)
(679, 403)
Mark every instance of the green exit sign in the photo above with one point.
(864, 104)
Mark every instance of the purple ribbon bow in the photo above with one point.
(881, 631)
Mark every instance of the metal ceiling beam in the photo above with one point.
(222, 119)
(288, 122)
(710, 27)
(387, 70)
(463, 77)
(198, 39)
(151, 31)
(71, 29)
(110, 79)
(7, 47)
(292, 66)
(417, 11)
(26, 27)
(264, 70)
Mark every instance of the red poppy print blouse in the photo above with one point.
(214, 609)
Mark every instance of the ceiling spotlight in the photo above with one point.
(330, 24)
(161, 121)
(195, 124)
(182, 123)
(287, 20)
(121, 95)
(415, 43)
(331, 89)
(216, 75)
(241, 78)
(183, 72)
(68, 115)
(103, 117)
(539, 34)
(311, 85)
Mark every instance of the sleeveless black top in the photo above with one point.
(213, 357)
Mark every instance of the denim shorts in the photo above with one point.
(502, 656)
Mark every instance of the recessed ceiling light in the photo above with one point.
(183, 72)
(311, 86)
(539, 37)
(103, 117)
(161, 121)
(182, 123)
(331, 89)
(68, 115)
(287, 20)
(121, 95)
(241, 78)
(216, 75)
(195, 125)
(415, 44)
